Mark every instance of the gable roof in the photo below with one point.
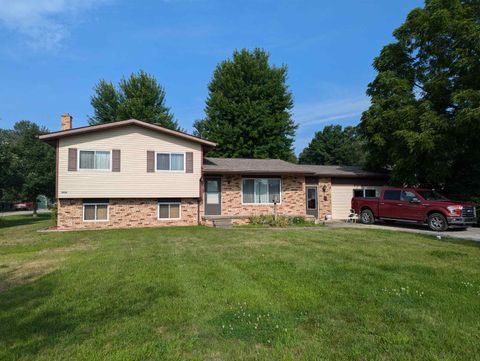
(94, 128)
(280, 167)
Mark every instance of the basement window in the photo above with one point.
(95, 211)
(169, 210)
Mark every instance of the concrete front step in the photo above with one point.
(222, 223)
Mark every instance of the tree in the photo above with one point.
(7, 163)
(105, 103)
(334, 146)
(138, 97)
(248, 109)
(424, 120)
(35, 168)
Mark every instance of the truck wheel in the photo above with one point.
(437, 222)
(366, 217)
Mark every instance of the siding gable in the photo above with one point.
(132, 175)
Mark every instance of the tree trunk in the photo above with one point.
(35, 207)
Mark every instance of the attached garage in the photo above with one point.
(344, 189)
(341, 183)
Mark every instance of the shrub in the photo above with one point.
(298, 220)
(259, 220)
(254, 220)
(281, 221)
(54, 215)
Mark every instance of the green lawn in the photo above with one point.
(200, 293)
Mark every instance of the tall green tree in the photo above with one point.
(334, 145)
(32, 165)
(248, 109)
(8, 161)
(424, 120)
(138, 97)
(105, 103)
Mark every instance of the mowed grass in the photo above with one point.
(251, 294)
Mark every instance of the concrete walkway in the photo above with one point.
(19, 213)
(470, 234)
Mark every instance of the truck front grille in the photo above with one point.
(468, 212)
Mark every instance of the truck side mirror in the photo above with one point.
(415, 200)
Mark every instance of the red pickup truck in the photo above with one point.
(415, 205)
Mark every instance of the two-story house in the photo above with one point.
(137, 174)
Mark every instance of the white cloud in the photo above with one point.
(43, 23)
(330, 110)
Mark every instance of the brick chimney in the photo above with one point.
(66, 121)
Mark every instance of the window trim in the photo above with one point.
(170, 162)
(96, 204)
(93, 169)
(254, 192)
(169, 204)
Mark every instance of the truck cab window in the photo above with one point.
(408, 196)
(391, 195)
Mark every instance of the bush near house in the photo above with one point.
(281, 221)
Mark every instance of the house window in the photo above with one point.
(170, 162)
(94, 159)
(169, 210)
(358, 193)
(95, 211)
(261, 190)
(365, 193)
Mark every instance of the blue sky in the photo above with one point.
(53, 52)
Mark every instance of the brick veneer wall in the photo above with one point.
(293, 198)
(324, 198)
(125, 213)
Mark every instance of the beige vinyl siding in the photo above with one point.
(342, 195)
(132, 181)
(342, 200)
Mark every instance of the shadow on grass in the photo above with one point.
(35, 317)
(26, 325)
(22, 220)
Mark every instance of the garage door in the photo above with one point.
(342, 199)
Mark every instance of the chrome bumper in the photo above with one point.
(461, 220)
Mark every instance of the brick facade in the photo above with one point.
(125, 213)
(128, 213)
(293, 199)
(324, 197)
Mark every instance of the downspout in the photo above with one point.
(200, 188)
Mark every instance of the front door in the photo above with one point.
(312, 201)
(213, 197)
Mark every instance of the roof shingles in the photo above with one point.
(277, 166)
